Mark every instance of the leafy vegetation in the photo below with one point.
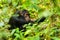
(47, 30)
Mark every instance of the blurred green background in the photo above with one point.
(47, 30)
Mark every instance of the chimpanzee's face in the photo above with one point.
(26, 15)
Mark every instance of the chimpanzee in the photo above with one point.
(18, 21)
(22, 18)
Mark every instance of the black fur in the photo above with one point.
(19, 21)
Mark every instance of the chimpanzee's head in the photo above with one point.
(24, 13)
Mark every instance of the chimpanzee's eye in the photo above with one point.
(27, 14)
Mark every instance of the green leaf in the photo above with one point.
(1, 24)
(27, 32)
(34, 38)
(35, 1)
(55, 38)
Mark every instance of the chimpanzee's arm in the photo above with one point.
(40, 20)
